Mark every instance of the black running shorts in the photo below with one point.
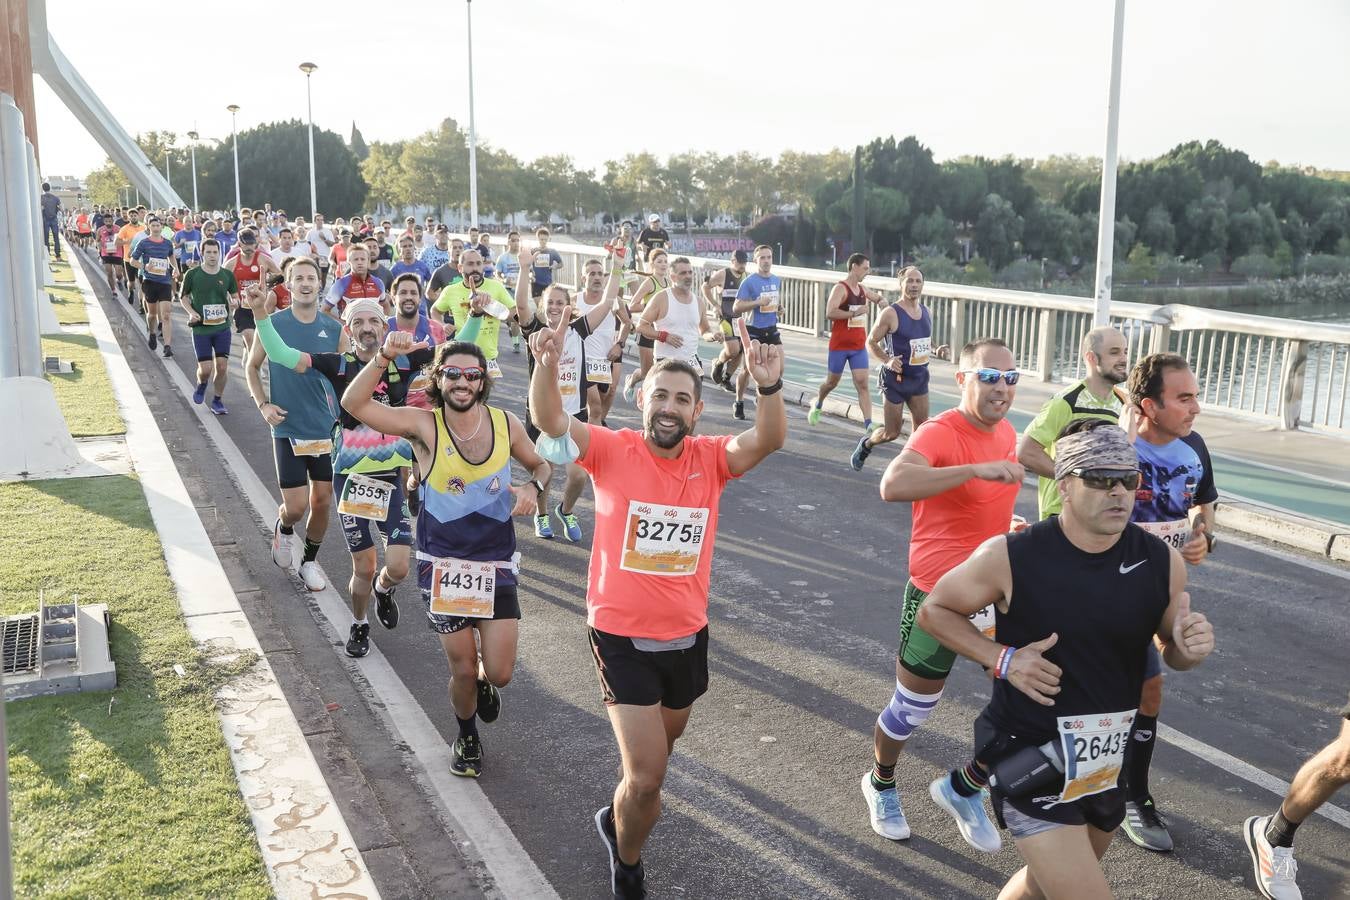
(297, 471)
(633, 677)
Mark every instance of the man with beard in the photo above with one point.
(408, 262)
(490, 295)
(675, 318)
(960, 472)
(467, 562)
(657, 494)
(604, 348)
(366, 463)
(758, 295)
(301, 410)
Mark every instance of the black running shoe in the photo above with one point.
(737, 408)
(386, 607)
(1145, 825)
(168, 351)
(718, 370)
(466, 757)
(152, 340)
(624, 881)
(358, 642)
(489, 701)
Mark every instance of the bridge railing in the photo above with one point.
(1288, 372)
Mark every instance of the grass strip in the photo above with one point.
(85, 396)
(141, 800)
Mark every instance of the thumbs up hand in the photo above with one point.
(1033, 674)
(1192, 634)
(1196, 547)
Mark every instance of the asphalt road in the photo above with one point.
(762, 799)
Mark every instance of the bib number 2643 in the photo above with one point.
(1094, 751)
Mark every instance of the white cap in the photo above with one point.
(366, 305)
(653, 218)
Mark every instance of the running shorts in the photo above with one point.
(505, 603)
(898, 391)
(213, 345)
(111, 260)
(856, 359)
(647, 342)
(132, 272)
(157, 291)
(297, 471)
(243, 320)
(633, 677)
(768, 335)
(919, 651)
(396, 527)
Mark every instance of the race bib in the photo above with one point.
(156, 266)
(365, 498)
(919, 350)
(663, 540)
(772, 305)
(463, 588)
(984, 620)
(599, 371)
(213, 314)
(321, 447)
(1094, 751)
(1174, 534)
(494, 370)
(569, 378)
(544, 262)
(859, 318)
(189, 248)
(110, 247)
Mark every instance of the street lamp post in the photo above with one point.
(168, 152)
(192, 136)
(150, 182)
(234, 131)
(1106, 215)
(473, 137)
(308, 68)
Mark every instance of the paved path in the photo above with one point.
(763, 797)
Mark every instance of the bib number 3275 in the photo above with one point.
(663, 540)
(1094, 751)
(460, 587)
(365, 498)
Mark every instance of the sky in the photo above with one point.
(597, 80)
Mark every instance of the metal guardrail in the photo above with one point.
(1288, 372)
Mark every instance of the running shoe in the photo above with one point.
(515, 345)
(358, 640)
(311, 576)
(386, 607)
(727, 385)
(738, 409)
(883, 808)
(168, 351)
(199, 394)
(1275, 867)
(571, 527)
(151, 340)
(489, 701)
(218, 408)
(718, 371)
(969, 814)
(813, 417)
(1145, 825)
(283, 547)
(860, 454)
(628, 389)
(542, 528)
(466, 757)
(623, 881)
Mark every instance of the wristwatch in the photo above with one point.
(538, 487)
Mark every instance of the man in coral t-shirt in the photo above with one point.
(960, 471)
(657, 494)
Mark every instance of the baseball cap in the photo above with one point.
(740, 256)
(653, 218)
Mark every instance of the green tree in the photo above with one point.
(998, 231)
(437, 164)
(105, 184)
(1206, 227)
(1051, 232)
(384, 176)
(933, 229)
(274, 168)
(1157, 231)
(357, 144)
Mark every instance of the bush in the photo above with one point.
(1023, 273)
(940, 267)
(1325, 264)
(1254, 266)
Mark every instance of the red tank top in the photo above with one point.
(850, 334)
(246, 273)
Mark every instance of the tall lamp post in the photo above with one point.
(308, 68)
(1106, 214)
(234, 131)
(150, 182)
(192, 136)
(473, 138)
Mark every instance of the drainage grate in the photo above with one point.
(19, 636)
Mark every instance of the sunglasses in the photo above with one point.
(991, 376)
(1101, 480)
(454, 373)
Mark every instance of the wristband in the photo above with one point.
(663, 336)
(1004, 663)
(771, 389)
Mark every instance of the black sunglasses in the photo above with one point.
(468, 373)
(1105, 480)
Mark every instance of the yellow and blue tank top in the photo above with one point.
(466, 507)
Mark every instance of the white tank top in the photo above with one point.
(598, 343)
(681, 319)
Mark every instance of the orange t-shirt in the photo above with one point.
(949, 526)
(127, 233)
(655, 525)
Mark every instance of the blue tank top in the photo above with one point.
(912, 341)
(309, 400)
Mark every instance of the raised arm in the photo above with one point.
(764, 362)
(404, 421)
(910, 476)
(525, 310)
(545, 397)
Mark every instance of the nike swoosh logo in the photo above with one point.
(1125, 570)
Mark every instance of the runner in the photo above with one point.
(902, 341)
(301, 411)
(286, 247)
(479, 241)
(367, 486)
(378, 270)
(961, 473)
(110, 252)
(1270, 839)
(153, 258)
(186, 242)
(125, 235)
(1175, 501)
(758, 295)
(720, 291)
(83, 228)
(653, 237)
(846, 309)
(455, 299)
(467, 562)
(50, 205)
(358, 284)
(250, 266)
(1079, 597)
(438, 254)
(649, 286)
(508, 263)
(227, 237)
(676, 318)
(408, 262)
(573, 377)
(1106, 358)
(208, 294)
(444, 276)
(321, 241)
(657, 494)
(604, 348)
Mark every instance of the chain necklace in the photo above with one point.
(465, 440)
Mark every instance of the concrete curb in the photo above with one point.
(305, 843)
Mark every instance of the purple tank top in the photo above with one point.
(912, 342)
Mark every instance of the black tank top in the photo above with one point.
(1105, 608)
(731, 286)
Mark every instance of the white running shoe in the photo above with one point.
(283, 547)
(1274, 866)
(883, 808)
(971, 819)
(311, 575)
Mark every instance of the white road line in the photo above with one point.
(1307, 476)
(1247, 772)
(462, 802)
(1317, 565)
